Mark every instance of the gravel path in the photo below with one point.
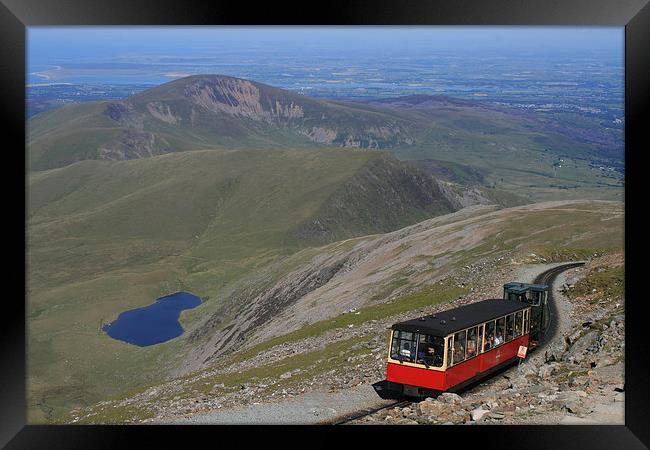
(603, 414)
(310, 408)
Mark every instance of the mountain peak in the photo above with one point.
(235, 97)
(190, 86)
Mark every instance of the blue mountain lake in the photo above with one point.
(152, 324)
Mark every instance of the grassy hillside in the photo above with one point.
(107, 236)
(523, 153)
(384, 196)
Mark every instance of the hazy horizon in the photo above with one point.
(56, 42)
(571, 68)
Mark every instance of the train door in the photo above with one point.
(536, 297)
(538, 314)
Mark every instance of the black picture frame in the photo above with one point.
(16, 15)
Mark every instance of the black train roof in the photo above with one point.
(447, 322)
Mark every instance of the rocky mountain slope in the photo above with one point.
(334, 335)
(359, 272)
(207, 111)
(576, 379)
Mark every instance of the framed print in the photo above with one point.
(370, 214)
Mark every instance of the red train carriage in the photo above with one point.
(451, 349)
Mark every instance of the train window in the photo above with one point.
(526, 314)
(450, 348)
(479, 339)
(535, 298)
(459, 346)
(472, 342)
(403, 346)
(526, 297)
(489, 335)
(510, 329)
(518, 323)
(500, 332)
(430, 350)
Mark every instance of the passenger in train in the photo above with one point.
(430, 357)
(471, 348)
(498, 340)
(489, 342)
(489, 335)
(423, 354)
(459, 352)
(436, 356)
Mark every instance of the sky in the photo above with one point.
(46, 44)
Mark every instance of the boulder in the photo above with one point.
(450, 397)
(584, 342)
(605, 361)
(508, 408)
(536, 389)
(477, 414)
(547, 370)
(427, 408)
(575, 408)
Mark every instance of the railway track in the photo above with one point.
(547, 277)
(367, 412)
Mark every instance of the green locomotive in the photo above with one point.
(535, 295)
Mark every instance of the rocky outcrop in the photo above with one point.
(133, 144)
(321, 135)
(124, 114)
(241, 98)
(461, 197)
(263, 308)
(162, 112)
